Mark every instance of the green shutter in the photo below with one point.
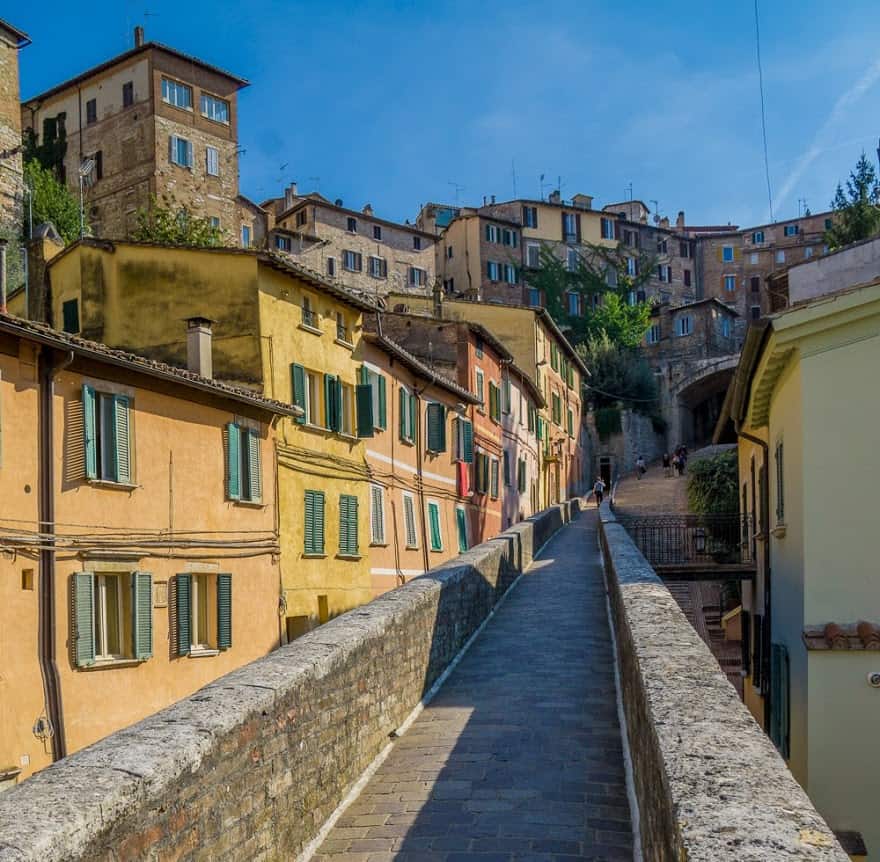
(364, 401)
(255, 473)
(90, 437)
(183, 583)
(348, 525)
(505, 388)
(314, 522)
(461, 522)
(493, 479)
(122, 435)
(570, 423)
(412, 416)
(506, 469)
(540, 428)
(434, 518)
(84, 618)
(382, 408)
(233, 462)
(332, 397)
(403, 411)
(364, 375)
(224, 611)
(779, 695)
(142, 615)
(298, 375)
(467, 441)
(436, 421)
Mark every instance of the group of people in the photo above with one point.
(676, 463)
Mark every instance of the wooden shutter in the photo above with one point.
(298, 377)
(409, 520)
(505, 389)
(779, 698)
(461, 522)
(506, 469)
(183, 584)
(467, 441)
(493, 479)
(255, 472)
(364, 402)
(142, 615)
(412, 416)
(577, 226)
(189, 154)
(382, 401)
(84, 618)
(332, 395)
(436, 420)
(122, 438)
(233, 462)
(434, 518)
(224, 611)
(377, 515)
(563, 227)
(348, 542)
(314, 522)
(90, 437)
(403, 412)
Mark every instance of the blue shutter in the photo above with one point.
(142, 615)
(90, 436)
(183, 600)
(122, 428)
(84, 618)
(233, 462)
(298, 377)
(255, 473)
(224, 611)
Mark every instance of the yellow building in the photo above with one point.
(280, 329)
(804, 405)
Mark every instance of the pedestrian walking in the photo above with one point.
(641, 469)
(599, 490)
(667, 465)
(676, 464)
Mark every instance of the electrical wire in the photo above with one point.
(620, 397)
(763, 112)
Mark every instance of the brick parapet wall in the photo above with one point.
(709, 783)
(252, 765)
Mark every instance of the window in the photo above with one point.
(351, 224)
(214, 109)
(494, 402)
(653, 334)
(632, 267)
(727, 253)
(464, 441)
(571, 227)
(461, 527)
(570, 422)
(378, 400)
(554, 356)
(70, 315)
(91, 111)
(180, 151)
(342, 333)
(306, 394)
(790, 230)
(127, 94)
(478, 385)
(434, 525)
(409, 521)
(510, 238)
(521, 474)
(779, 698)
(755, 312)
(331, 266)
(686, 276)
(377, 231)
(212, 161)
(631, 238)
(664, 272)
(493, 233)
(214, 221)
(348, 525)
(449, 252)
(378, 267)
(352, 261)
(435, 425)
(417, 243)
(557, 409)
(112, 617)
(407, 414)
(530, 216)
(684, 325)
(611, 277)
(417, 277)
(662, 246)
(505, 471)
(753, 259)
(535, 297)
(493, 271)
(302, 217)
(755, 284)
(730, 283)
(243, 464)
(177, 94)
(377, 515)
(478, 346)
(684, 249)
(780, 256)
(510, 273)
(571, 260)
(757, 237)
(313, 536)
(808, 251)
(106, 436)
(99, 164)
(309, 315)
(607, 228)
(574, 304)
(493, 478)
(282, 243)
(828, 224)
(725, 327)
(245, 236)
(481, 472)
(533, 255)
(449, 285)
(345, 408)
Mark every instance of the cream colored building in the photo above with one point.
(804, 405)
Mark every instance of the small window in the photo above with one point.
(92, 111)
(684, 249)
(571, 261)
(214, 109)
(352, 261)
(282, 243)
(757, 237)
(107, 436)
(533, 255)
(245, 236)
(727, 253)
(214, 221)
(377, 231)
(417, 277)
(309, 315)
(530, 216)
(127, 94)
(684, 325)
(378, 267)
(342, 332)
(70, 315)
(461, 528)
(510, 273)
(662, 246)
(377, 515)
(570, 225)
(212, 161)
(725, 327)
(780, 256)
(407, 414)
(790, 230)
(780, 485)
(180, 151)
(177, 94)
(331, 266)
(730, 283)
(808, 251)
(417, 243)
(632, 267)
(302, 217)
(828, 224)
(607, 228)
(478, 385)
(449, 253)
(686, 277)
(574, 304)
(535, 297)
(478, 346)
(493, 271)
(755, 312)
(653, 334)
(351, 225)
(755, 284)
(244, 471)
(409, 522)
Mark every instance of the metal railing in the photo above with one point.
(342, 333)
(310, 318)
(691, 539)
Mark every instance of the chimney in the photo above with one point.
(556, 197)
(493, 200)
(290, 196)
(198, 346)
(368, 209)
(582, 201)
(679, 221)
(664, 222)
(138, 36)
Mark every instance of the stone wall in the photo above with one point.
(636, 437)
(709, 783)
(251, 766)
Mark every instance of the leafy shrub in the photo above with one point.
(608, 422)
(712, 484)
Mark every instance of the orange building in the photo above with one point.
(138, 537)
(421, 440)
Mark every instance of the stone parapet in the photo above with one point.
(252, 765)
(709, 783)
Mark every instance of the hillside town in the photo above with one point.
(297, 452)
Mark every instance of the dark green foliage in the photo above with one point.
(52, 202)
(170, 223)
(608, 422)
(619, 375)
(712, 484)
(50, 153)
(856, 211)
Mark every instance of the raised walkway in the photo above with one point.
(519, 755)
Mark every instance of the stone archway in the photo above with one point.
(698, 398)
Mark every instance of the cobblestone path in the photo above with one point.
(519, 755)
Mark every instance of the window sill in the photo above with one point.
(779, 531)
(105, 663)
(342, 343)
(202, 653)
(178, 107)
(250, 504)
(378, 544)
(314, 556)
(109, 483)
(314, 330)
(349, 557)
(216, 122)
(411, 547)
(407, 442)
(436, 550)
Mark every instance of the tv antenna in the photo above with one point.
(458, 189)
(541, 180)
(656, 212)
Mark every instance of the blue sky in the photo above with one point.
(391, 102)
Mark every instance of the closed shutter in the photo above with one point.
(461, 523)
(224, 611)
(506, 469)
(314, 522)
(142, 615)
(436, 420)
(377, 515)
(332, 413)
(412, 417)
(183, 584)
(505, 397)
(122, 427)
(348, 511)
(364, 401)
(521, 475)
(467, 441)
(233, 462)
(403, 412)
(779, 694)
(434, 519)
(577, 226)
(255, 471)
(298, 377)
(409, 522)
(84, 618)
(189, 154)
(90, 437)
(382, 399)
(563, 227)
(493, 480)
(493, 400)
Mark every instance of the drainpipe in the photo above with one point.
(46, 643)
(765, 532)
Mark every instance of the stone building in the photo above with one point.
(150, 121)
(355, 247)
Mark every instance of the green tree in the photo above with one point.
(857, 210)
(52, 201)
(608, 285)
(712, 484)
(619, 376)
(171, 223)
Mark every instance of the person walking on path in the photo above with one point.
(667, 465)
(640, 467)
(599, 490)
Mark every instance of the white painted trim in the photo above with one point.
(385, 459)
(410, 573)
(374, 368)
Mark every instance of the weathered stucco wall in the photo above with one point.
(709, 783)
(253, 764)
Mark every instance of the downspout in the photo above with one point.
(46, 641)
